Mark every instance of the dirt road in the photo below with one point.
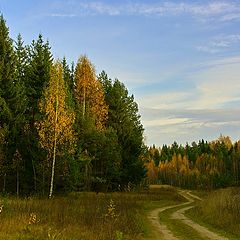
(161, 230)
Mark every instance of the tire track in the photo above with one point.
(162, 230)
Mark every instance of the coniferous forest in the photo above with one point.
(62, 127)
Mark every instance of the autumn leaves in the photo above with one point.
(89, 93)
(56, 128)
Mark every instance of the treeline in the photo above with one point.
(204, 165)
(63, 128)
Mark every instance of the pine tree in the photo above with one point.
(37, 75)
(12, 101)
(7, 69)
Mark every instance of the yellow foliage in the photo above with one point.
(152, 171)
(59, 118)
(89, 93)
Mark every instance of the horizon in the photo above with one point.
(180, 59)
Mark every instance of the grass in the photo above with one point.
(84, 216)
(220, 212)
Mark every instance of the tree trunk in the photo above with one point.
(84, 101)
(4, 182)
(43, 182)
(34, 176)
(55, 146)
(17, 183)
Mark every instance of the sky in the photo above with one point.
(180, 59)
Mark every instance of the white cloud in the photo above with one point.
(214, 8)
(223, 61)
(220, 43)
(168, 100)
(207, 49)
(61, 15)
(222, 10)
(209, 108)
(166, 126)
(218, 85)
(214, 86)
(101, 8)
(230, 17)
(165, 121)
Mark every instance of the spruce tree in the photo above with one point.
(37, 75)
(124, 118)
(12, 97)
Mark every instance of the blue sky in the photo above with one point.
(180, 59)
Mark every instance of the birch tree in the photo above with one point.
(55, 130)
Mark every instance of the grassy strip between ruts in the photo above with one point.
(178, 228)
(150, 233)
(85, 216)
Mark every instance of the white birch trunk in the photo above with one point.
(54, 147)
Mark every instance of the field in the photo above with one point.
(84, 216)
(120, 216)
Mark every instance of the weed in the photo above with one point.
(221, 209)
(119, 235)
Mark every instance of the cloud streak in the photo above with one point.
(208, 108)
(220, 43)
(61, 15)
(166, 126)
(223, 10)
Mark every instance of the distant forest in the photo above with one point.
(202, 165)
(62, 127)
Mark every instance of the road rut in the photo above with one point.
(162, 231)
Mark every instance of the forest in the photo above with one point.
(202, 165)
(62, 127)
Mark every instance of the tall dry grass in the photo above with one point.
(84, 216)
(221, 209)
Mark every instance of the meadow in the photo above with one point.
(85, 216)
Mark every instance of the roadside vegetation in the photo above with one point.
(220, 210)
(84, 216)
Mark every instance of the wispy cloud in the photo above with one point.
(220, 43)
(61, 15)
(167, 100)
(166, 126)
(207, 49)
(212, 8)
(208, 108)
(221, 10)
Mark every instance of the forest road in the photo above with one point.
(161, 230)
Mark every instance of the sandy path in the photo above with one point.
(179, 214)
(161, 230)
